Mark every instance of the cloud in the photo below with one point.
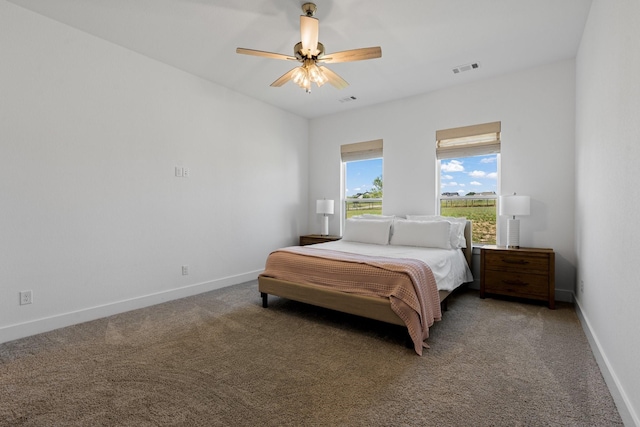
(452, 166)
(475, 183)
(449, 184)
(477, 174)
(443, 177)
(492, 175)
(489, 159)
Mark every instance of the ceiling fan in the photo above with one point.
(310, 53)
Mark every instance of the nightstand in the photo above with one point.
(311, 239)
(523, 273)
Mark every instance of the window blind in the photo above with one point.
(361, 150)
(468, 141)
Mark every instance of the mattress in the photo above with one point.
(449, 266)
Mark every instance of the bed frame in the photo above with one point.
(361, 305)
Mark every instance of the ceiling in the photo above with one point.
(421, 40)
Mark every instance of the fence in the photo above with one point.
(467, 201)
(362, 206)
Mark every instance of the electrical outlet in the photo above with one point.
(185, 172)
(581, 286)
(26, 297)
(185, 270)
(179, 171)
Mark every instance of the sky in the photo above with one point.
(463, 175)
(360, 176)
(469, 174)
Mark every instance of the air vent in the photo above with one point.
(348, 99)
(466, 67)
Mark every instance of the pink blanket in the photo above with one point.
(409, 284)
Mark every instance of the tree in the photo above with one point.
(377, 188)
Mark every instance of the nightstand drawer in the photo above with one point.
(521, 262)
(516, 284)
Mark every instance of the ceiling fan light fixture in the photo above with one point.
(299, 75)
(315, 74)
(322, 79)
(308, 73)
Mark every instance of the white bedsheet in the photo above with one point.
(449, 266)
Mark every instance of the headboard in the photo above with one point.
(468, 228)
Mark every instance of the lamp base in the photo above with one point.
(325, 226)
(513, 233)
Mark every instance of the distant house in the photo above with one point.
(364, 195)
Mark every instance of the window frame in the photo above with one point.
(359, 151)
(466, 142)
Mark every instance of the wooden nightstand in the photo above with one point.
(523, 273)
(311, 239)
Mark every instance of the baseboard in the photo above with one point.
(627, 413)
(564, 295)
(560, 294)
(37, 326)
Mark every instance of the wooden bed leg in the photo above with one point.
(264, 296)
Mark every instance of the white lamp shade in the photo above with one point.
(513, 205)
(324, 207)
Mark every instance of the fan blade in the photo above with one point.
(271, 55)
(334, 79)
(284, 78)
(309, 35)
(352, 55)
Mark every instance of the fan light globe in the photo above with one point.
(299, 75)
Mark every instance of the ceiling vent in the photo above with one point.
(348, 99)
(466, 67)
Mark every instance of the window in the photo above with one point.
(468, 176)
(362, 177)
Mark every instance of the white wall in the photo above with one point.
(607, 159)
(537, 111)
(92, 218)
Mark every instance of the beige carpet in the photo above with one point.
(220, 359)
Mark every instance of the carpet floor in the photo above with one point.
(220, 359)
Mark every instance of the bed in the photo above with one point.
(398, 270)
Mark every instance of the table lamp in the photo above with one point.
(325, 208)
(513, 205)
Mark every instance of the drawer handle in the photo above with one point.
(515, 282)
(515, 261)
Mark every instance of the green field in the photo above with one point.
(484, 221)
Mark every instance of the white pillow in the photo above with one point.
(373, 216)
(367, 231)
(428, 234)
(457, 227)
